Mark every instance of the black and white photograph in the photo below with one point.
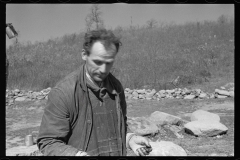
(120, 79)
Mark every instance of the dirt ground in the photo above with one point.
(24, 118)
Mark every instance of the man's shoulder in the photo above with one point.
(70, 80)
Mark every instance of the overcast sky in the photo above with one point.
(39, 22)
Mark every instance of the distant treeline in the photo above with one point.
(165, 56)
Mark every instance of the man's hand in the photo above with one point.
(140, 145)
(81, 153)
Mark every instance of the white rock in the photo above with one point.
(127, 95)
(162, 95)
(160, 118)
(141, 96)
(221, 96)
(166, 148)
(208, 128)
(140, 91)
(162, 91)
(149, 95)
(20, 99)
(16, 91)
(211, 96)
(153, 91)
(204, 115)
(142, 126)
(135, 94)
(231, 93)
(170, 91)
(222, 92)
(223, 88)
(177, 92)
(198, 91)
(202, 95)
(127, 89)
(189, 97)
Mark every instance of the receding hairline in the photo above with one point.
(107, 47)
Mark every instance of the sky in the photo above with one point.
(40, 22)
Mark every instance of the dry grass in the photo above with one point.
(198, 52)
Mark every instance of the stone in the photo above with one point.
(140, 96)
(161, 118)
(162, 91)
(40, 97)
(222, 92)
(231, 93)
(177, 92)
(202, 95)
(221, 96)
(205, 128)
(223, 88)
(140, 91)
(22, 150)
(16, 91)
(135, 94)
(211, 96)
(20, 99)
(128, 96)
(166, 148)
(162, 95)
(10, 100)
(189, 97)
(20, 95)
(149, 95)
(198, 91)
(170, 91)
(142, 126)
(204, 115)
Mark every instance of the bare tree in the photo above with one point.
(152, 23)
(94, 19)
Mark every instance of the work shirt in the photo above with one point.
(104, 139)
(67, 122)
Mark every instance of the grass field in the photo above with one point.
(199, 53)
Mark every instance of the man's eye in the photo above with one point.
(98, 62)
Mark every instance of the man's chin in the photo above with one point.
(98, 79)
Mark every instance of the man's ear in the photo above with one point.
(84, 55)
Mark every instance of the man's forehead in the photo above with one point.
(98, 50)
(98, 45)
(104, 58)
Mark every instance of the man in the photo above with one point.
(86, 111)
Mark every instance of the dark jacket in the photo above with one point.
(67, 120)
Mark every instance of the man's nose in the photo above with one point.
(103, 68)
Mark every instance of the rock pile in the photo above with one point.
(204, 123)
(177, 93)
(22, 95)
(148, 94)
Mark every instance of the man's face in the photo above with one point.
(100, 61)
